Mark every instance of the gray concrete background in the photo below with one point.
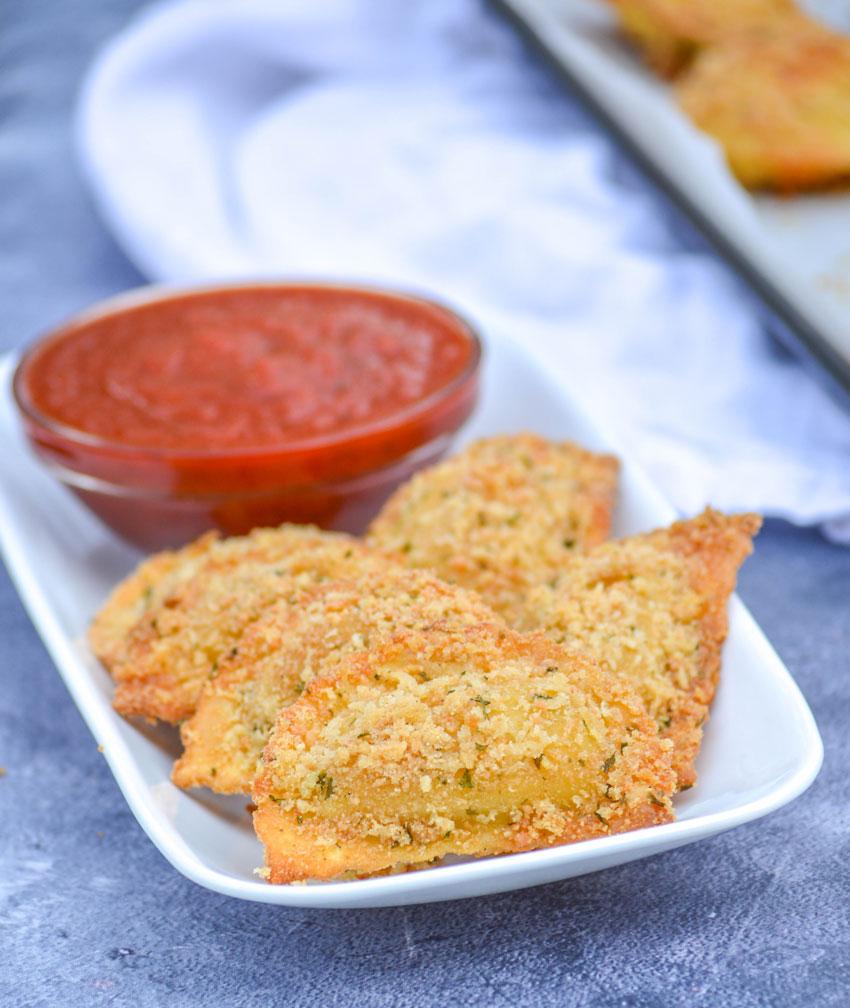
(90, 912)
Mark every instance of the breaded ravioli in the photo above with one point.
(778, 102)
(178, 643)
(501, 516)
(287, 647)
(652, 609)
(473, 740)
(671, 32)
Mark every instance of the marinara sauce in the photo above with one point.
(272, 393)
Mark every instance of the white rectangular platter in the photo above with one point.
(761, 747)
(794, 249)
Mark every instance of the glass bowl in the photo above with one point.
(160, 495)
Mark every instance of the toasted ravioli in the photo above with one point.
(472, 740)
(145, 588)
(502, 516)
(652, 609)
(287, 647)
(671, 32)
(178, 643)
(778, 102)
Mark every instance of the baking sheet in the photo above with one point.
(794, 250)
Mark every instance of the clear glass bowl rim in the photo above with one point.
(155, 293)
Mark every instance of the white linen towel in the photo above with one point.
(416, 143)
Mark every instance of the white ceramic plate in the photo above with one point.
(761, 747)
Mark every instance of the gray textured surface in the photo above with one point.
(91, 914)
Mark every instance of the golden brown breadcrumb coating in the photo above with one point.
(465, 740)
(778, 101)
(671, 32)
(179, 641)
(148, 584)
(287, 647)
(652, 609)
(501, 516)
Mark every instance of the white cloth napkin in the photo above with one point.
(416, 143)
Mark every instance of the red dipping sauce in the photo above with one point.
(231, 407)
